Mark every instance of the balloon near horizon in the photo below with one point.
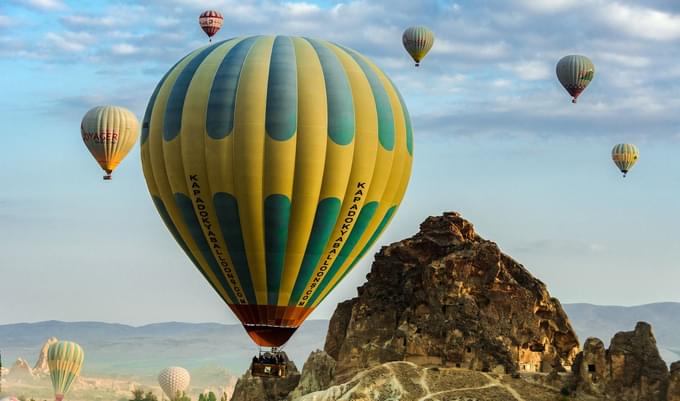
(276, 162)
(65, 360)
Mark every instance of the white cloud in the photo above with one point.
(552, 6)
(642, 22)
(472, 50)
(124, 49)
(44, 5)
(89, 20)
(5, 21)
(530, 70)
(301, 9)
(73, 42)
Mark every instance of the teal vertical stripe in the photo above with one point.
(365, 216)
(187, 209)
(220, 116)
(341, 125)
(228, 218)
(152, 101)
(276, 220)
(282, 101)
(378, 231)
(327, 212)
(172, 123)
(382, 102)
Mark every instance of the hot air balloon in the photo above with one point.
(109, 132)
(276, 162)
(575, 73)
(625, 156)
(211, 22)
(418, 40)
(174, 380)
(65, 359)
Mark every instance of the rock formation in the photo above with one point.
(630, 370)
(673, 393)
(317, 374)
(447, 297)
(41, 365)
(20, 370)
(406, 381)
(250, 388)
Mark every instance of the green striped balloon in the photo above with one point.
(575, 72)
(625, 155)
(64, 359)
(418, 41)
(276, 162)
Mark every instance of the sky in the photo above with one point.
(496, 139)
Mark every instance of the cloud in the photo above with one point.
(72, 42)
(42, 5)
(552, 6)
(124, 49)
(642, 22)
(5, 21)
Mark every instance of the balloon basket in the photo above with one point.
(107, 177)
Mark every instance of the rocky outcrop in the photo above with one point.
(406, 381)
(41, 364)
(630, 370)
(317, 374)
(673, 393)
(250, 388)
(20, 370)
(447, 297)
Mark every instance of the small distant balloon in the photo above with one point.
(109, 132)
(575, 73)
(64, 359)
(211, 22)
(174, 380)
(418, 40)
(625, 155)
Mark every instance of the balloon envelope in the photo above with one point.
(64, 359)
(625, 155)
(211, 22)
(276, 162)
(575, 72)
(418, 40)
(109, 132)
(173, 380)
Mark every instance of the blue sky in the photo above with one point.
(496, 138)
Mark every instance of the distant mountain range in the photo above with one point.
(120, 350)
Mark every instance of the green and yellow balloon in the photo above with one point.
(276, 162)
(64, 359)
(625, 155)
(418, 41)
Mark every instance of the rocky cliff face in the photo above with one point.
(630, 370)
(317, 374)
(250, 388)
(41, 367)
(20, 370)
(674, 383)
(448, 297)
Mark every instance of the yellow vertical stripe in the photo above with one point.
(363, 163)
(312, 135)
(249, 142)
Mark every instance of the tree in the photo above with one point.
(137, 395)
(224, 397)
(181, 397)
(150, 396)
(211, 396)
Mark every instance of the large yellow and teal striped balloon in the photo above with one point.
(625, 155)
(575, 72)
(64, 359)
(418, 41)
(276, 162)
